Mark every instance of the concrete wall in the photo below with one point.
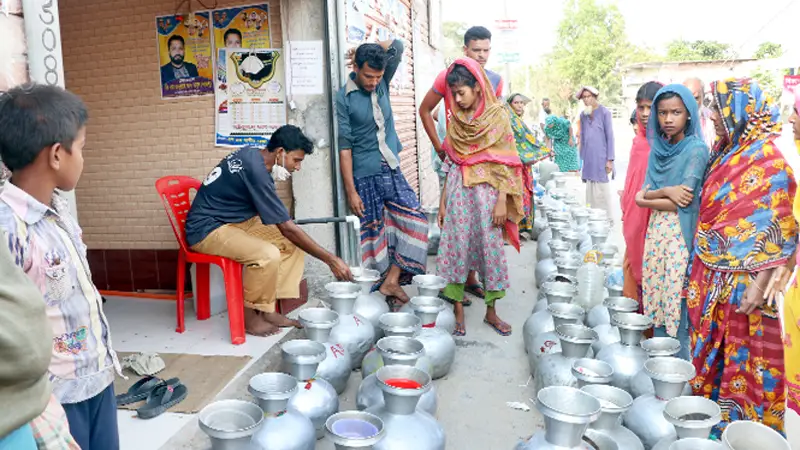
(305, 20)
(13, 59)
(429, 62)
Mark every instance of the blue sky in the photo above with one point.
(735, 22)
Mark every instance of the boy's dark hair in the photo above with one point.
(371, 54)
(477, 34)
(648, 91)
(291, 138)
(34, 117)
(461, 76)
(633, 117)
(230, 32)
(175, 37)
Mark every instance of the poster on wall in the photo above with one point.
(240, 27)
(256, 97)
(184, 52)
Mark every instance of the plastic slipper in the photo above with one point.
(162, 398)
(460, 330)
(465, 302)
(476, 290)
(141, 389)
(497, 328)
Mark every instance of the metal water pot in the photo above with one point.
(745, 435)
(646, 416)
(601, 314)
(555, 369)
(541, 296)
(440, 346)
(607, 334)
(558, 227)
(641, 384)
(614, 402)
(370, 305)
(354, 430)
(336, 367)
(695, 444)
(609, 251)
(567, 414)
(545, 236)
(406, 426)
(283, 428)
(546, 341)
(626, 357)
(315, 398)
(692, 417)
(230, 424)
(590, 371)
(544, 269)
(561, 179)
(355, 332)
(397, 324)
(581, 216)
(434, 232)
(567, 266)
(400, 351)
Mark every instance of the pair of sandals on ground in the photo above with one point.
(158, 395)
(500, 327)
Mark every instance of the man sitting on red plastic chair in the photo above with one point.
(237, 214)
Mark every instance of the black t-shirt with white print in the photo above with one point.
(238, 189)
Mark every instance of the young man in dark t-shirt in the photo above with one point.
(237, 214)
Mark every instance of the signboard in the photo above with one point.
(508, 57)
(506, 24)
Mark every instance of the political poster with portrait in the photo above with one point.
(184, 51)
(240, 27)
(256, 97)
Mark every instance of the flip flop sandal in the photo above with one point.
(162, 398)
(465, 302)
(476, 290)
(141, 389)
(497, 328)
(460, 330)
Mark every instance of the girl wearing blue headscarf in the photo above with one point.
(675, 169)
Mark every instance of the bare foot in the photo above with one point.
(280, 320)
(393, 290)
(256, 324)
(460, 330)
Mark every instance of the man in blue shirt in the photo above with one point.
(237, 214)
(394, 232)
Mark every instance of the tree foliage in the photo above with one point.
(592, 45)
(453, 33)
(681, 50)
(768, 50)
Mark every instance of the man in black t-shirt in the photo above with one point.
(237, 214)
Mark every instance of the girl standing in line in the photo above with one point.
(675, 169)
(482, 200)
(635, 218)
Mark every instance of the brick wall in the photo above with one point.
(134, 137)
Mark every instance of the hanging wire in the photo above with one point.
(732, 56)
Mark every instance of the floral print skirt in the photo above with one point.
(664, 270)
(469, 240)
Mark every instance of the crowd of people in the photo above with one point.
(711, 240)
(707, 214)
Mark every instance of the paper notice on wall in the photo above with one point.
(307, 65)
(184, 52)
(256, 104)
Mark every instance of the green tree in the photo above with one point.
(768, 50)
(453, 34)
(681, 50)
(592, 45)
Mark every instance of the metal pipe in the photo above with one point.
(352, 235)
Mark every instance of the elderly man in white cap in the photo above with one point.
(596, 148)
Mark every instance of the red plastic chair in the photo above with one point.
(174, 192)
